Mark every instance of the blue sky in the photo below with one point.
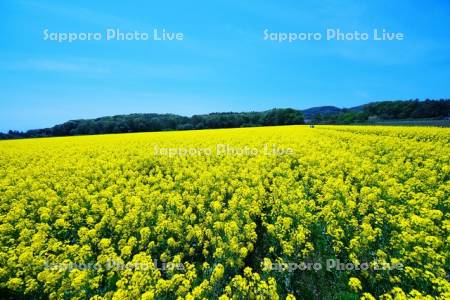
(223, 63)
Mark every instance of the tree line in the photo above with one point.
(384, 110)
(164, 122)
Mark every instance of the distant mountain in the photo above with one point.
(358, 108)
(322, 110)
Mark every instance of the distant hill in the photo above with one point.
(322, 110)
(382, 111)
(374, 112)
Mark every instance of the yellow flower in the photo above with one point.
(355, 284)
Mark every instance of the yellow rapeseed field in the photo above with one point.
(332, 212)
